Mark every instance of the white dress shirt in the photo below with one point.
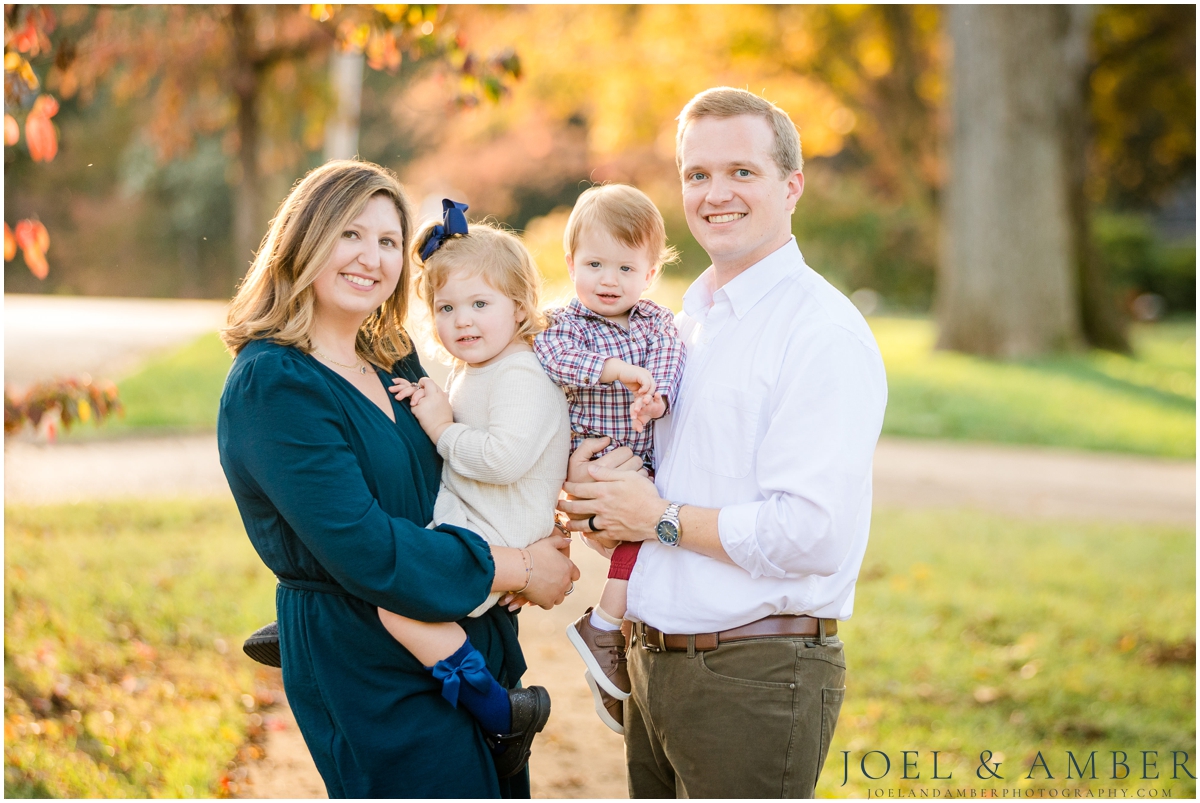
(778, 414)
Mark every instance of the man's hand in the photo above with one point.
(639, 381)
(646, 409)
(625, 505)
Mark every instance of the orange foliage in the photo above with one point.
(39, 131)
(10, 243)
(12, 131)
(34, 240)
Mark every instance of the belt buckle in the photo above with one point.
(646, 645)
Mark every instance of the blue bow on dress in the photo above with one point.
(472, 669)
(454, 221)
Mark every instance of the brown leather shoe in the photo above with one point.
(610, 710)
(603, 652)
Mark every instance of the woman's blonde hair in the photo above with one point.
(489, 251)
(275, 300)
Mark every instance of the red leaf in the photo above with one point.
(10, 243)
(39, 131)
(12, 131)
(34, 240)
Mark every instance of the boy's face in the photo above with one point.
(609, 277)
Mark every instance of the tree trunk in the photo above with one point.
(1008, 283)
(247, 202)
(1103, 322)
(346, 78)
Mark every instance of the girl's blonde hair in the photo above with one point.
(275, 300)
(489, 251)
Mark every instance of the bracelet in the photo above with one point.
(527, 559)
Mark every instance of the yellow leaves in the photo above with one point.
(33, 240)
(323, 11)
(875, 57)
(13, 63)
(393, 11)
(352, 36)
(39, 131)
(382, 52)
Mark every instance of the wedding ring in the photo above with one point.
(592, 524)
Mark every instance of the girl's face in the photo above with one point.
(475, 322)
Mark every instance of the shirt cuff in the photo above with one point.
(590, 368)
(449, 435)
(737, 527)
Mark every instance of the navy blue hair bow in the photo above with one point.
(454, 221)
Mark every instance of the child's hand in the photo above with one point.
(646, 409)
(431, 407)
(403, 389)
(639, 381)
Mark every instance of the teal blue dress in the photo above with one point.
(335, 497)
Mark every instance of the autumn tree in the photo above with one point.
(257, 76)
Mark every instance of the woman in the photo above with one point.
(335, 482)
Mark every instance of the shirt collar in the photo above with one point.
(640, 309)
(748, 287)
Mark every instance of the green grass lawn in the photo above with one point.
(123, 675)
(1144, 404)
(123, 671)
(975, 632)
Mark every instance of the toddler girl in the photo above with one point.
(501, 428)
(620, 360)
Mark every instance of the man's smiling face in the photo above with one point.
(737, 205)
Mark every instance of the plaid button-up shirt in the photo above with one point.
(573, 350)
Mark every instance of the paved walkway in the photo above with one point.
(1014, 480)
(47, 336)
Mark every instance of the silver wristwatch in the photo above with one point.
(668, 525)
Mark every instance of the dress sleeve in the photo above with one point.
(665, 356)
(521, 414)
(288, 440)
(563, 353)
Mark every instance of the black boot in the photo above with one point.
(263, 645)
(530, 710)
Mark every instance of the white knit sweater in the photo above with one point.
(506, 452)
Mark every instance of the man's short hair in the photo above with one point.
(627, 214)
(725, 101)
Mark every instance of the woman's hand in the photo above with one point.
(553, 572)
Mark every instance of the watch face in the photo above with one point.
(668, 533)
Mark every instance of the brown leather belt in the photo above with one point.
(654, 640)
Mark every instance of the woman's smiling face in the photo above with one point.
(475, 322)
(365, 265)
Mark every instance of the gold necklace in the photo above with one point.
(355, 366)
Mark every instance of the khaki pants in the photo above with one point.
(748, 719)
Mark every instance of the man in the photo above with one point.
(755, 526)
